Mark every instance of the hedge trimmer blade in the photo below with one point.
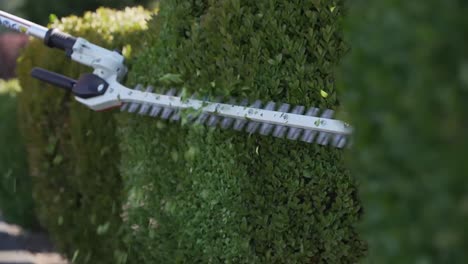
(280, 120)
(102, 90)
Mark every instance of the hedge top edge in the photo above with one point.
(101, 90)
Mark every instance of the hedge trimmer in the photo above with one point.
(101, 90)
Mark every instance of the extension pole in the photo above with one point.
(22, 25)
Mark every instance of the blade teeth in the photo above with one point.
(155, 110)
(203, 116)
(212, 120)
(294, 133)
(308, 135)
(266, 129)
(145, 107)
(253, 126)
(192, 117)
(239, 124)
(227, 121)
(176, 116)
(323, 137)
(343, 142)
(339, 141)
(167, 112)
(280, 131)
(125, 106)
(133, 107)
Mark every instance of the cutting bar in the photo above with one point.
(251, 114)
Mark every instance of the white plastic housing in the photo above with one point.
(106, 63)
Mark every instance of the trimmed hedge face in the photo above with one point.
(205, 195)
(16, 202)
(407, 79)
(73, 152)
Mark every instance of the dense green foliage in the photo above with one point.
(198, 195)
(16, 203)
(407, 83)
(73, 152)
(39, 10)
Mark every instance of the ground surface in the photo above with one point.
(21, 247)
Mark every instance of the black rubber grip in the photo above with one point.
(54, 38)
(53, 78)
(89, 86)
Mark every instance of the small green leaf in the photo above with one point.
(127, 51)
(190, 153)
(53, 18)
(279, 57)
(323, 94)
(75, 255)
(102, 229)
(57, 160)
(171, 78)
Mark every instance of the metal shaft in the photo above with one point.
(22, 25)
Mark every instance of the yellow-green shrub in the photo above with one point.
(73, 152)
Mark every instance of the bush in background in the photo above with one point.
(206, 195)
(11, 6)
(72, 151)
(16, 202)
(407, 87)
(39, 10)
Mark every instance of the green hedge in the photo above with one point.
(73, 152)
(407, 83)
(16, 203)
(198, 195)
